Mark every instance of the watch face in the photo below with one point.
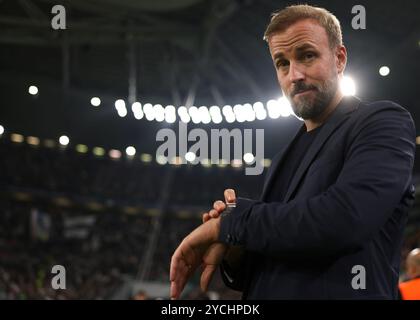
(229, 208)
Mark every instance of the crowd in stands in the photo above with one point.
(101, 249)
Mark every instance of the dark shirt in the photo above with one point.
(290, 164)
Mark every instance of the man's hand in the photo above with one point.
(219, 206)
(200, 247)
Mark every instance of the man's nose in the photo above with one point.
(296, 73)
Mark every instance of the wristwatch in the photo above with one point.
(229, 208)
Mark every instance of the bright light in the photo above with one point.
(204, 114)
(122, 112)
(259, 110)
(33, 141)
(248, 158)
(170, 114)
(236, 163)
(64, 140)
(159, 112)
(98, 151)
(285, 107)
(137, 111)
(33, 90)
(81, 148)
(206, 162)
(348, 86)
(114, 154)
(183, 114)
(190, 156)
(95, 101)
(266, 162)
(194, 114)
(273, 108)
(161, 160)
(384, 71)
(18, 138)
(136, 107)
(216, 115)
(239, 112)
(230, 118)
(138, 116)
(145, 157)
(227, 110)
(119, 104)
(1, 130)
(228, 113)
(121, 109)
(149, 111)
(176, 161)
(186, 118)
(130, 151)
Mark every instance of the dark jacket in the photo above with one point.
(344, 211)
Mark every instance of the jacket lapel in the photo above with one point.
(340, 114)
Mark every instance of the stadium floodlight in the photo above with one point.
(98, 151)
(266, 162)
(122, 112)
(145, 157)
(64, 140)
(119, 104)
(227, 110)
(348, 86)
(205, 162)
(161, 160)
(185, 118)
(183, 114)
(285, 107)
(182, 110)
(149, 111)
(33, 141)
(249, 158)
(136, 107)
(236, 163)
(121, 108)
(17, 138)
(170, 114)
(114, 154)
(384, 71)
(190, 156)
(137, 110)
(95, 101)
(33, 90)
(273, 109)
(261, 114)
(81, 148)
(159, 112)
(130, 151)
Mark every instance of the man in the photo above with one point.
(410, 290)
(330, 219)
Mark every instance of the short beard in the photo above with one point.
(307, 107)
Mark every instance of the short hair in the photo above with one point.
(282, 19)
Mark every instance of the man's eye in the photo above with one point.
(282, 63)
(309, 55)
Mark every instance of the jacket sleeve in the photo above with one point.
(375, 175)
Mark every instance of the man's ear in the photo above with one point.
(341, 58)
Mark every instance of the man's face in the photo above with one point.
(306, 67)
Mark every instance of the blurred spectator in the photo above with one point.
(410, 290)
